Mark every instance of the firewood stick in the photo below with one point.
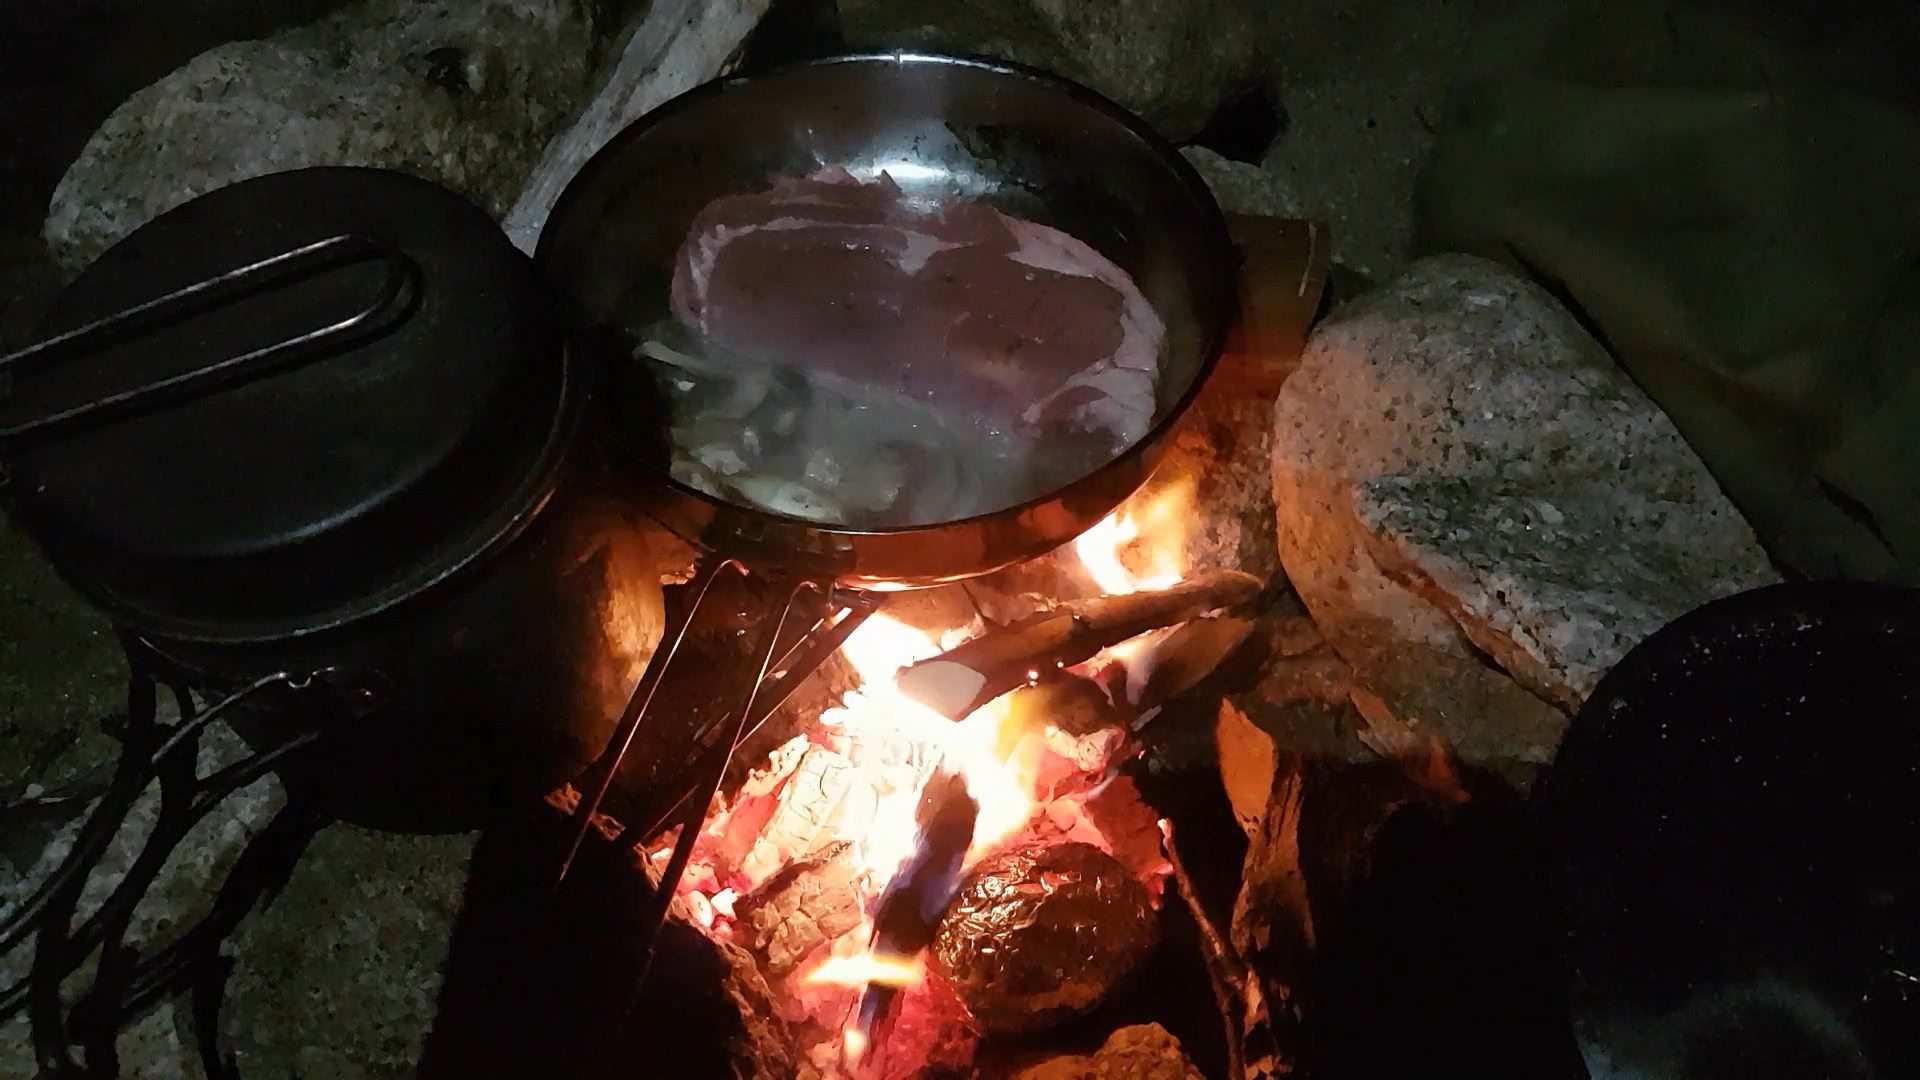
(1246, 1012)
(1224, 970)
(963, 678)
(917, 898)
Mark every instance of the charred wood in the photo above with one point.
(1185, 657)
(1259, 1020)
(808, 903)
(1139, 1052)
(1401, 888)
(915, 901)
(962, 679)
(1312, 844)
(1073, 703)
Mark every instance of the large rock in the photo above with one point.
(1462, 473)
(1362, 84)
(1241, 188)
(1172, 61)
(463, 92)
(677, 45)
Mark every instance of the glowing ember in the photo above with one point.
(864, 968)
(833, 812)
(853, 1045)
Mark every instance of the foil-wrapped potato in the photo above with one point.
(1040, 933)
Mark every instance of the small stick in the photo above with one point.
(1227, 973)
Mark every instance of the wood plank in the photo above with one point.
(1283, 273)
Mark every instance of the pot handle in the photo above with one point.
(395, 301)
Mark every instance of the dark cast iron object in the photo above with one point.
(1733, 829)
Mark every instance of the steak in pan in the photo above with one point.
(954, 303)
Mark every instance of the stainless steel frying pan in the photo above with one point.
(1028, 143)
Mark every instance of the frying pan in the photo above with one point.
(1028, 143)
(1734, 837)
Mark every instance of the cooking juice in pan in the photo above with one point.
(842, 353)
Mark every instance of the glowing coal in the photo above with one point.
(839, 859)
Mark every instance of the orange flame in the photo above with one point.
(866, 968)
(896, 744)
(853, 1045)
(1142, 545)
(998, 761)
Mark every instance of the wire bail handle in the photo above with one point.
(399, 293)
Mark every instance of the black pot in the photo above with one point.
(1735, 842)
(348, 439)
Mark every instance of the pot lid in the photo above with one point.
(362, 387)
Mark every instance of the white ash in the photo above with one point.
(809, 799)
(807, 905)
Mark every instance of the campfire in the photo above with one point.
(953, 847)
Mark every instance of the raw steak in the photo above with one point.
(957, 305)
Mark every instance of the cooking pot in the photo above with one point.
(1733, 830)
(327, 421)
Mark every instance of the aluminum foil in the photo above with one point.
(1040, 933)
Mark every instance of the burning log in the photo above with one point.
(1081, 727)
(916, 899)
(1072, 703)
(969, 675)
(1043, 932)
(811, 901)
(918, 895)
(1180, 661)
